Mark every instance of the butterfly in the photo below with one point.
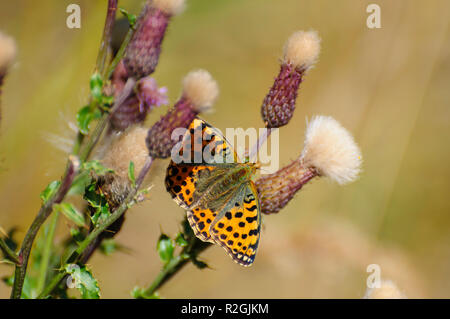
(207, 179)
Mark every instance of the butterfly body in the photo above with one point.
(220, 196)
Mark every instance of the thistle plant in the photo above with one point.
(114, 150)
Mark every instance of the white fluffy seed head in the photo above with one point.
(331, 150)
(387, 290)
(7, 51)
(201, 89)
(302, 49)
(129, 146)
(171, 7)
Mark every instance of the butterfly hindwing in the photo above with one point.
(237, 229)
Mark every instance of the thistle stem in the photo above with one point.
(74, 257)
(263, 138)
(44, 212)
(107, 34)
(177, 263)
(49, 235)
(119, 54)
(169, 270)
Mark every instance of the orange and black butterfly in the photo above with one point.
(217, 190)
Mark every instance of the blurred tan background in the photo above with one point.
(389, 86)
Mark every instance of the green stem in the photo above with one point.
(106, 38)
(119, 54)
(73, 258)
(188, 254)
(49, 235)
(169, 270)
(71, 172)
(44, 212)
(9, 252)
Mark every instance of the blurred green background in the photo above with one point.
(388, 86)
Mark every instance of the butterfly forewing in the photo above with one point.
(221, 200)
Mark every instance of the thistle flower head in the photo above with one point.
(302, 49)
(8, 52)
(142, 53)
(127, 147)
(200, 91)
(331, 150)
(137, 106)
(300, 53)
(387, 290)
(150, 95)
(170, 7)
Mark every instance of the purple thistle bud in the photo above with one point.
(199, 93)
(300, 53)
(279, 104)
(142, 53)
(277, 189)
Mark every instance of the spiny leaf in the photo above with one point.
(71, 213)
(199, 264)
(84, 281)
(97, 167)
(131, 17)
(85, 117)
(76, 234)
(49, 191)
(165, 248)
(96, 85)
(108, 246)
(180, 241)
(79, 184)
(97, 201)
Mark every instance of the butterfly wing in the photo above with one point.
(182, 178)
(228, 216)
(237, 228)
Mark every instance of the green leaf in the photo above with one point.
(97, 167)
(49, 191)
(96, 85)
(71, 213)
(100, 215)
(98, 202)
(107, 101)
(180, 241)
(76, 234)
(85, 117)
(83, 281)
(8, 280)
(131, 174)
(108, 246)
(79, 184)
(165, 248)
(199, 264)
(139, 293)
(131, 17)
